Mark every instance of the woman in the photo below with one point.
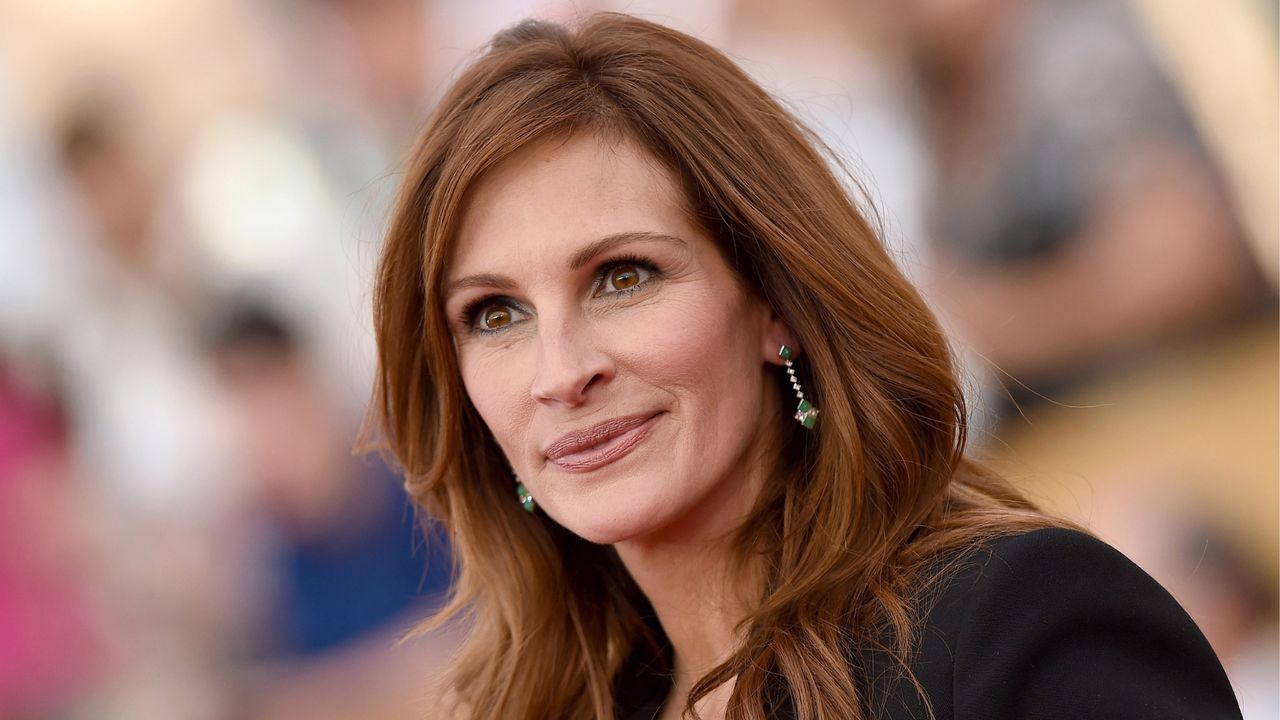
(698, 445)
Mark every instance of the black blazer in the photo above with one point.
(1048, 625)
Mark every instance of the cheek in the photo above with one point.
(497, 387)
(701, 349)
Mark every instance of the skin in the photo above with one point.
(573, 347)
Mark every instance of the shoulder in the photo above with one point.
(1055, 623)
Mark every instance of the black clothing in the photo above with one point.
(1048, 625)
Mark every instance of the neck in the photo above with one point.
(696, 598)
(689, 575)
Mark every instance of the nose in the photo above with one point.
(570, 365)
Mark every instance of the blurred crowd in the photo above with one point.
(191, 200)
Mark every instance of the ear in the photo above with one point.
(777, 333)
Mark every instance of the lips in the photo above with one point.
(600, 444)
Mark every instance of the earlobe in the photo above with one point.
(776, 334)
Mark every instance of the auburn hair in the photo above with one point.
(858, 508)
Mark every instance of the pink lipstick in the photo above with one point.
(601, 444)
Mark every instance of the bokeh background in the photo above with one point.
(192, 194)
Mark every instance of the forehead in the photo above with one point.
(549, 199)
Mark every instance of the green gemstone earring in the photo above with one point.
(522, 494)
(806, 413)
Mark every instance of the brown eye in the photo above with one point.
(624, 277)
(492, 315)
(495, 317)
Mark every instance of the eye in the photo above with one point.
(490, 315)
(494, 317)
(623, 276)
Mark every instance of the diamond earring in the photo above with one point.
(806, 413)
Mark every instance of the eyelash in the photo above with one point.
(467, 316)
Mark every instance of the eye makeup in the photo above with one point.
(598, 288)
(469, 315)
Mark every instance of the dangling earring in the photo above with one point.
(806, 413)
(522, 494)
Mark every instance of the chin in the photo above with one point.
(607, 533)
(614, 518)
(610, 526)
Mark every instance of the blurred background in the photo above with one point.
(192, 195)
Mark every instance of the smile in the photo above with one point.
(598, 446)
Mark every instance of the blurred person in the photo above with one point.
(1086, 247)
(117, 193)
(1076, 216)
(698, 445)
(346, 557)
(129, 339)
(341, 561)
(121, 205)
(290, 192)
(149, 443)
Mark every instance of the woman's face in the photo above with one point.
(612, 352)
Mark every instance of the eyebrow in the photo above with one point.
(579, 259)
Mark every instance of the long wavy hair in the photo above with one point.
(858, 508)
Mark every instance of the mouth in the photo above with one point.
(601, 444)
